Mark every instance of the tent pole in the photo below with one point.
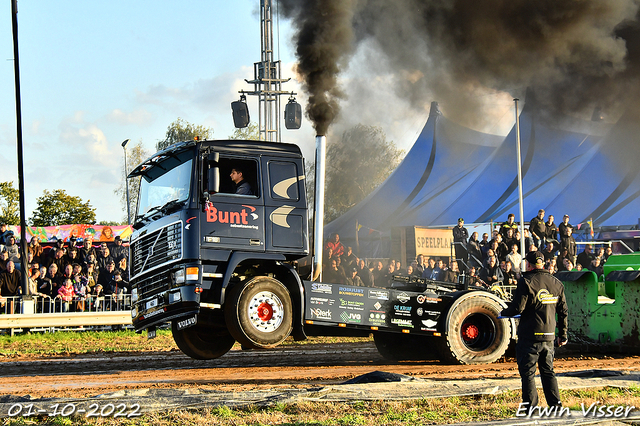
(520, 200)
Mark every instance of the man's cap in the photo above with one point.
(460, 219)
(72, 239)
(111, 262)
(566, 215)
(534, 257)
(117, 238)
(354, 269)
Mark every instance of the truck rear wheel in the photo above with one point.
(201, 342)
(259, 313)
(474, 334)
(405, 347)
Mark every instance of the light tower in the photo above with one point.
(267, 86)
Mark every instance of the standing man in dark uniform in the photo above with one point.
(460, 238)
(539, 296)
(538, 229)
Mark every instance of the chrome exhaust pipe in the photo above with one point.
(318, 219)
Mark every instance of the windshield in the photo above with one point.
(171, 185)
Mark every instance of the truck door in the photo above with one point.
(236, 221)
(286, 224)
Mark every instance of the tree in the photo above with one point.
(135, 156)
(355, 166)
(59, 208)
(249, 133)
(181, 130)
(9, 204)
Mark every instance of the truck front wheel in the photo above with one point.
(474, 334)
(200, 342)
(259, 313)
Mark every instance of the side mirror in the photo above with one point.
(213, 176)
(214, 180)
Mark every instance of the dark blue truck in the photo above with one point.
(223, 267)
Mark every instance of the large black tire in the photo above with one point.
(200, 342)
(259, 313)
(405, 347)
(474, 334)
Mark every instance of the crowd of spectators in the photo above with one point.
(492, 260)
(499, 259)
(73, 276)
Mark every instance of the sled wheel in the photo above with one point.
(201, 342)
(474, 334)
(259, 313)
(405, 347)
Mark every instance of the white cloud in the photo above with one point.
(138, 117)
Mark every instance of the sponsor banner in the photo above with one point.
(378, 294)
(321, 314)
(433, 242)
(323, 301)
(371, 307)
(64, 232)
(351, 317)
(402, 310)
(355, 305)
(321, 288)
(377, 318)
(400, 322)
(351, 291)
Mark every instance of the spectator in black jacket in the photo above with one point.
(586, 257)
(365, 274)
(460, 238)
(117, 250)
(104, 257)
(491, 274)
(538, 229)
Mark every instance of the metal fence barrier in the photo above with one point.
(45, 312)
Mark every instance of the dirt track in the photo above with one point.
(287, 366)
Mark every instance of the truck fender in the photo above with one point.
(293, 284)
(239, 257)
(459, 296)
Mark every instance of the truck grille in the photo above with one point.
(150, 285)
(157, 249)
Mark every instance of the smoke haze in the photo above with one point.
(574, 54)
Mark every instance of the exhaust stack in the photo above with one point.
(318, 217)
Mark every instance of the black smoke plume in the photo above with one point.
(324, 39)
(575, 54)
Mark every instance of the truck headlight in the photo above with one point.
(179, 276)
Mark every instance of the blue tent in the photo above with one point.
(582, 168)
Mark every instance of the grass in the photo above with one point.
(367, 413)
(63, 343)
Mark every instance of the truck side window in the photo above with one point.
(239, 176)
(283, 180)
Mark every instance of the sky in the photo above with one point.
(96, 73)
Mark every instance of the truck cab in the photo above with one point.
(197, 241)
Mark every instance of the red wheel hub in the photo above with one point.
(265, 311)
(470, 332)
